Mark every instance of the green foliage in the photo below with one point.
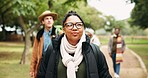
(73, 3)
(88, 14)
(111, 23)
(25, 8)
(12, 9)
(140, 13)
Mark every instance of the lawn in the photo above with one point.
(10, 55)
(140, 46)
(141, 50)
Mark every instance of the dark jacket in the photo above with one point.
(49, 63)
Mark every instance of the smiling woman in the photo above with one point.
(71, 55)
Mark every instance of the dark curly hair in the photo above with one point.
(71, 13)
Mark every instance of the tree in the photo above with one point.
(5, 8)
(22, 13)
(90, 15)
(140, 14)
(27, 10)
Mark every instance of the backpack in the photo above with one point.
(96, 51)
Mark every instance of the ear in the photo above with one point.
(43, 22)
(63, 29)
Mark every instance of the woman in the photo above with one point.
(71, 55)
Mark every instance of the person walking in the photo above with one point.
(71, 55)
(116, 47)
(42, 40)
(93, 38)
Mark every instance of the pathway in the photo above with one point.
(132, 66)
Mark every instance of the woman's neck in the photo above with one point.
(73, 42)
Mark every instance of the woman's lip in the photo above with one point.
(74, 33)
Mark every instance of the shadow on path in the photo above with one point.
(131, 67)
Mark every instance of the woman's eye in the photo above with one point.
(79, 24)
(69, 25)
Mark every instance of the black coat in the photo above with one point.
(48, 67)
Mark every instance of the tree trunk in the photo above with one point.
(3, 29)
(3, 33)
(27, 46)
(28, 31)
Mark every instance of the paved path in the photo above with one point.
(132, 66)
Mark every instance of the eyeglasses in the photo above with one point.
(70, 25)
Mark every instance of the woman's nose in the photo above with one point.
(74, 27)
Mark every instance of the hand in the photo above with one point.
(32, 74)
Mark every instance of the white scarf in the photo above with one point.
(71, 62)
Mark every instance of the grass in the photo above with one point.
(142, 51)
(10, 55)
(11, 47)
(14, 70)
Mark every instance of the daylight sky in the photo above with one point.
(117, 8)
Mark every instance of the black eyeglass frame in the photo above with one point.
(78, 25)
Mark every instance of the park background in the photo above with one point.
(19, 25)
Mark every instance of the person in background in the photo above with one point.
(42, 40)
(116, 47)
(71, 55)
(93, 38)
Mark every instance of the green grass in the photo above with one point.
(139, 45)
(14, 70)
(11, 47)
(10, 55)
(136, 41)
(128, 40)
(142, 51)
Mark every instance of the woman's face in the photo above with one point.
(73, 28)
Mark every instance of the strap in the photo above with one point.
(96, 51)
(54, 33)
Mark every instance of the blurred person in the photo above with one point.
(116, 47)
(42, 40)
(71, 55)
(93, 38)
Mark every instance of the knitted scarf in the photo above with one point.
(119, 53)
(71, 62)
